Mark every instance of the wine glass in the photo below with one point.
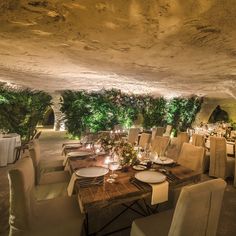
(162, 158)
(153, 157)
(114, 165)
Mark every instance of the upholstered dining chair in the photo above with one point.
(29, 217)
(133, 135)
(192, 157)
(144, 140)
(168, 130)
(182, 137)
(46, 171)
(197, 213)
(221, 165)
(160, 144)
(198, 140)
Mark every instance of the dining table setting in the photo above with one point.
(100, 180)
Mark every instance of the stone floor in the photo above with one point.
(51, 148)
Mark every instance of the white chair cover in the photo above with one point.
(160, 144)
(220, 165)
(144, 140)
(192, 157)
(133, 135)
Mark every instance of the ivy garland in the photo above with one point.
(96, 111)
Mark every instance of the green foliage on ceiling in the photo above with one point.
(96, 111)
(21, 110)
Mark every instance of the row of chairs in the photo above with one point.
(60, 215)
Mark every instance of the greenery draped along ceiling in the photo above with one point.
(95, 111)
(21, 110)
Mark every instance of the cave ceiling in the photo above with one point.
(161, 47)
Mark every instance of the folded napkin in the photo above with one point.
(159, 192)
(230, 148)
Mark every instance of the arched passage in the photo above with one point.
(49, 118)
(218, 115)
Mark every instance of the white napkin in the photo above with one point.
(230, 148)
(159, 192)
(71, 185)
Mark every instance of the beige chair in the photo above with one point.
(133, 135)
(144, 140)
(168, 130)
(182, 137)
(42, 176)
(197, 213)
(192, 157)
(28, 217)
(221, 165)
(160, 144)
(198, 140)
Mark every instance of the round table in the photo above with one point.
(8, 143)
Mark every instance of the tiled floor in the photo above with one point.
(51, 148)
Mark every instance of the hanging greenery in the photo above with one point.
(154, 111)
(21, 110)
(181, 112)
(96, 111)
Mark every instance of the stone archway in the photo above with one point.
(218, 115)
(49, 118)
(59, 123)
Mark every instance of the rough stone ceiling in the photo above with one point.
(162, 47)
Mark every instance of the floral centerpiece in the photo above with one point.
(126, 153)
(107, 143)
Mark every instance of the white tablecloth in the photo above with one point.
(7, 148)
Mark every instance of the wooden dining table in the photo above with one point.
(126, 189)
(123, 190)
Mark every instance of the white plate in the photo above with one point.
(92, 172)
(79, 154)
(167, 161)
(150, 177)
(139, 167)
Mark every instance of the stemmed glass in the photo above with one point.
(153, 157)
(113, 165)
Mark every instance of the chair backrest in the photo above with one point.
(144, 140)
(34, 150)
(133, 135)
(160, 131)
(160, 144)
(198, 140)
(168, 130)
(182, 137)
(118, 127)
(198, 209)
(192, 157)
(21, 181)
(218, 157)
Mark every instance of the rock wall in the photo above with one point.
(209, 105)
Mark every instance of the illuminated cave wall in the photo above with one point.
(209, 105)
